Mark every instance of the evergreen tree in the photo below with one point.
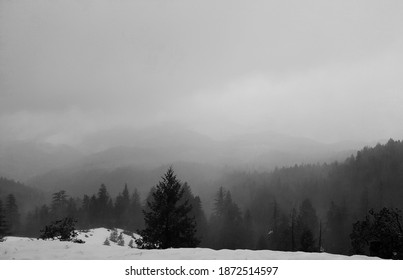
(249, 231)
(84, 213)
(275, 232)
(232, 232)
(196, 212)
(136, 221)
(3, 225)
(293, 243)
(121, 241)
(336, 240)
(122, 209)
(380, 234)
(103, 208)
(307, 242)
(64, 230)
(219, 203)
(226, 223)
(71, 209)
(167, 221)
(58, 207)
(114, 235)
(284, 234)
(93, 212)
(106, 242)
(12, 215)
(306, 226)
(131, 244)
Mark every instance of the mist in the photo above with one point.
(329, 72)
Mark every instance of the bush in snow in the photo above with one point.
(106, 242)
(114, 235)
(121, 241)
(64, 230)
(380, 234)
(131, 244)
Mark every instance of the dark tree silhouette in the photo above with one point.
(136, 221)
(167, 223)
(58, 207)
(122, 209)
(3, 225)
(12, 215)
(64, 230)
(226, 223)
(380, 234)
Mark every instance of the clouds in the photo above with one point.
(357, 100)
(322, 70)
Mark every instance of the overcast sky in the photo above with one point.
(327, 70)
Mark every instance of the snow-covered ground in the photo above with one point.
(93, 249)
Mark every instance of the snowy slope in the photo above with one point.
(93, 249)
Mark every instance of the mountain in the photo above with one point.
(139, 157)
(22, 160)
(266, 150)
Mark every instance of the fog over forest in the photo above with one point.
(282, 117)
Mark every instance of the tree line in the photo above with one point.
(9, 217)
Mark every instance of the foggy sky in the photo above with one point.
(327, 70)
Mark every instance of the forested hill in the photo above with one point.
(373, 178)
(339, 193)
(27, 197)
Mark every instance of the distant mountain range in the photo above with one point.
(139, 158)
(21, 160)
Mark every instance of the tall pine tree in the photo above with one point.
(3, 225)
(167, 223)
(12, 214)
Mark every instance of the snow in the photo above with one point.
(23, 248)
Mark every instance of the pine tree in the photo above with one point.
(136, 220)
(167, 221)
(122, 208)
(12, 215)
(232, 234)
(219, 203)
(106, 242)
(3, 225)
(381, 233)
(196, 212)
(121, 240)
(59, 205)
(103, 207)
(293, 215)
(307, 242)
(64, 230)
(336, 234)
(227, 223)
(249, 231)
(131, 244)
(114, 235)
(84, 213)
(306, 226)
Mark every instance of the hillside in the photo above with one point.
(27, 197)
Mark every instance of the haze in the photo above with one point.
(328, 71)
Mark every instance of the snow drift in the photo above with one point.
(23, 248)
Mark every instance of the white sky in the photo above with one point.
(328, 70)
